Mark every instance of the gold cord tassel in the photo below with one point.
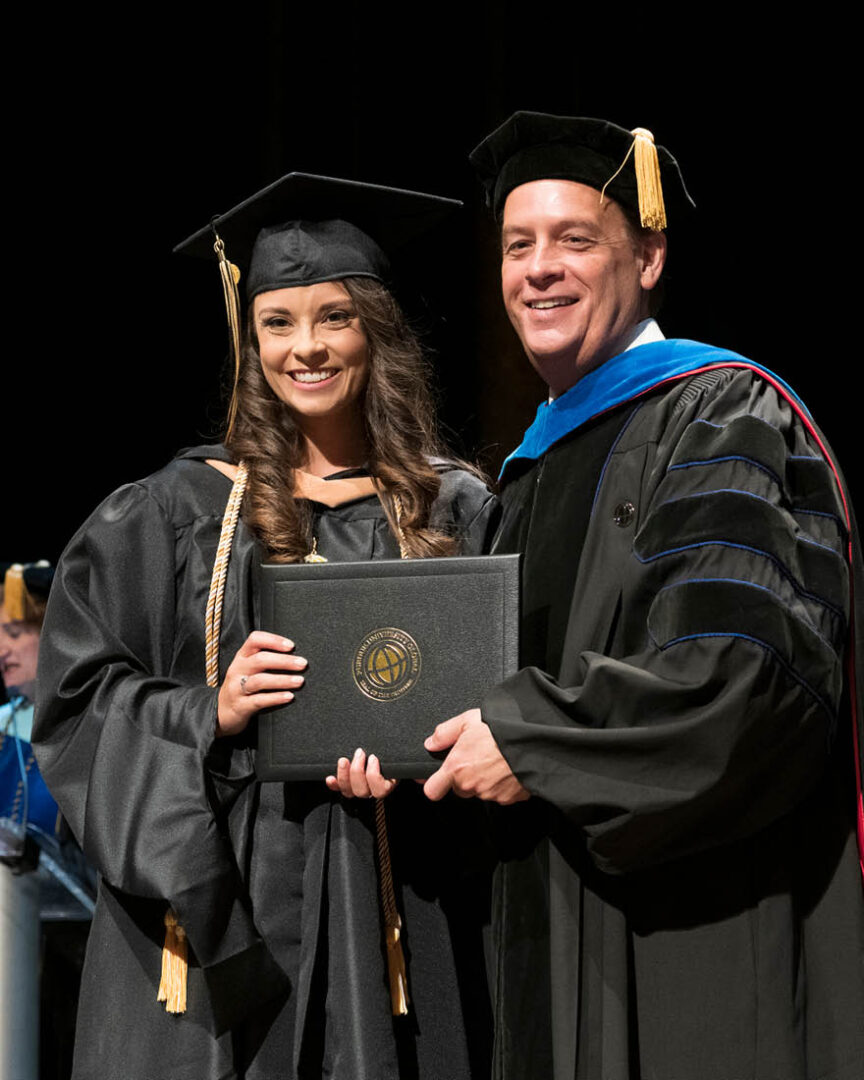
(652, 211)
(172, 986)
(392, 922)
(230, 275)
(396, 970)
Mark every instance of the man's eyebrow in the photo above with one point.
(585, 224)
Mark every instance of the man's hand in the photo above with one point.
(475, 766)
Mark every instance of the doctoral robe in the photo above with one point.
(682, 898)
(274, 884)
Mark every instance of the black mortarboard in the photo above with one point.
(306, 229)
(538, 146)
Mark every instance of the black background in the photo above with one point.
(129, 126)
(137, 125)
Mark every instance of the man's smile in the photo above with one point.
(542, 305)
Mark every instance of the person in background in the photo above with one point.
(25, 800)
(46, 889)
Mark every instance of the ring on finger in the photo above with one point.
(243, 679)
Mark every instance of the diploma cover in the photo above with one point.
(394, 647)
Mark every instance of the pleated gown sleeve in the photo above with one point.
(125, 720)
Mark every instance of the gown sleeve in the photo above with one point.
(467, 509)
(122, 743)
(710, 708)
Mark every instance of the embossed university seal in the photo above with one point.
(386, 664)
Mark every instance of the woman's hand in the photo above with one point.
(359, 778)
(260, 675)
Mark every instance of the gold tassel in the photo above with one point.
(652, 211)
(396, 969)
(15, 592)
(172, 986)
(230, 275)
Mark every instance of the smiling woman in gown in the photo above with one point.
(274, 886)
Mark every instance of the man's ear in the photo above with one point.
(653, 258)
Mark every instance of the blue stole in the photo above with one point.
(621, 379)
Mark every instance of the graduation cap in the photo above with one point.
(305, 229)
(24, 585)
(538, 146)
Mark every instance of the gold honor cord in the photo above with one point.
(213, 613)
(652, 209)
(396, 969)
(175, 965)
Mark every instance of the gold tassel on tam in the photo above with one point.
(392, 923)
(172, 986)
(230, 275)
(14, 592)
(652, 209)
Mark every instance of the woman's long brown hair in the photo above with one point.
(401, 433)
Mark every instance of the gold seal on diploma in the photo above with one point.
(386, 664)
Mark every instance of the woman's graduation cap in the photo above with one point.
(305, 229)
(538, 146)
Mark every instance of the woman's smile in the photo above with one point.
(313, 378)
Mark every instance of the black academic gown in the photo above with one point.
(682, 898)
(275, 885)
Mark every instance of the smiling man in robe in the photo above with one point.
(679, 895)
